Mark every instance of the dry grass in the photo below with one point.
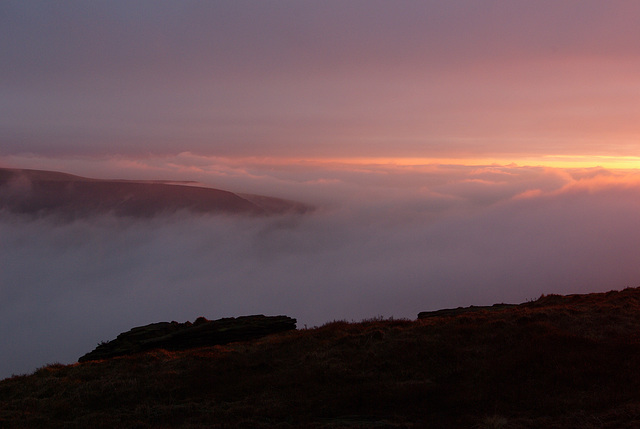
(556, 362)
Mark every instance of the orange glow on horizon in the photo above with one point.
(552, 161)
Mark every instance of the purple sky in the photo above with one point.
(331, 79)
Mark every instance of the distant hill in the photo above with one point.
(558, 362)
(37, 192)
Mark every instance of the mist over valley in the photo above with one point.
(381, 241)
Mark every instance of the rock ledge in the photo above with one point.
(181, 336)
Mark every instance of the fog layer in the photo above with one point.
(385, 241)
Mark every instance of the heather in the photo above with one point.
(559, 361)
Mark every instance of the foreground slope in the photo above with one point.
(37, 192)
(558, 362)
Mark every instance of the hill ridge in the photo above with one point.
(558, 362)
(41, 192)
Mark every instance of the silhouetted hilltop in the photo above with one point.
(558, 362)
(37, 192)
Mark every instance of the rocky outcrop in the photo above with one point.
(181, 336)
(450, 312)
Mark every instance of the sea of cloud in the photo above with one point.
(384, 240)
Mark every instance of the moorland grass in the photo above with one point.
(564, 362)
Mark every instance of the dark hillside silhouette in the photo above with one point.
(558, 362)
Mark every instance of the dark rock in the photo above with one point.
(449, 312)
(181, 336)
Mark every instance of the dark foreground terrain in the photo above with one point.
(558, 362)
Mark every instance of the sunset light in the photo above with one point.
(328, 160)
(553, 161)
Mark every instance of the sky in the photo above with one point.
(457, 153)
(493, 80)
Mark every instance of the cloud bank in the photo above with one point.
(387, 240)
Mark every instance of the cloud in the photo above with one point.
(426, 238)
(318, 78)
